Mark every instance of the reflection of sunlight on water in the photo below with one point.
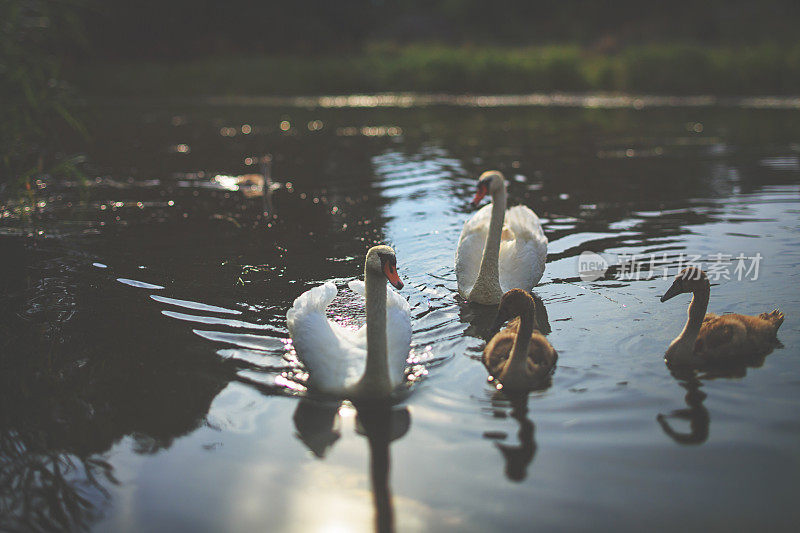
(196, 306)
(588, 101)
(348, 507)
(235, 409)
(139, 284)
(369, 131)
(388, 177)
(181, 148)
(257, 353)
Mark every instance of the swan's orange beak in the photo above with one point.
(482, 190)
(390, 272)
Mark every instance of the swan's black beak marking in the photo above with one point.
(389, 264)
(483, 190)
(674, 290)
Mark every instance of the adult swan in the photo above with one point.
(365, 363)
(499, 250)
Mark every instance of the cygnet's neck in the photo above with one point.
(682, 348)
(516, 366)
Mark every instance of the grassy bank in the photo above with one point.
(660, 69)
(37, 108)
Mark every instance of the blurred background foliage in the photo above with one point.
(202, 47)
(182, 48)
(37, 104)
(189, 29)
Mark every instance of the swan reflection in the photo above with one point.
(692, 379)
(318, 426)
(484, 323)
(517, 457)
(695, 412)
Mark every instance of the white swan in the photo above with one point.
(499, 250)
(368, 362)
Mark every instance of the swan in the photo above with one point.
(368, 362)
(499, 250)
(710, 337)
(519, 356)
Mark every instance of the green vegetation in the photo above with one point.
(36, 103)
(653, 69)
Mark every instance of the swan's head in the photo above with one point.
(490, 182)
(381, 259)
(514, 303)
(689, 279)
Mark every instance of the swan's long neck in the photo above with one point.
(518, 360)
(488, 280)
(683, 346)
(697, 311)
(376, 378)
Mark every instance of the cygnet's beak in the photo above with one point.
(674, 290)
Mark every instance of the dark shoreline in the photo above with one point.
(679, 69)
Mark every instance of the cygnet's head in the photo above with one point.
(514, 303)
(382, 259)
(489, 183)
(689, 279)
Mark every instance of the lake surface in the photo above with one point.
(145, 378)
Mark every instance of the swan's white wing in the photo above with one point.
(398, 334)
(335, 356)
(470, 249)
(398, 330)
(522, 257)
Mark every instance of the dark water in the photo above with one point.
(144, 377)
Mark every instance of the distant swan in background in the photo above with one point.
(710, 338)
(519, 356)
(368, 362)
(499, 250)
(253, 185)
